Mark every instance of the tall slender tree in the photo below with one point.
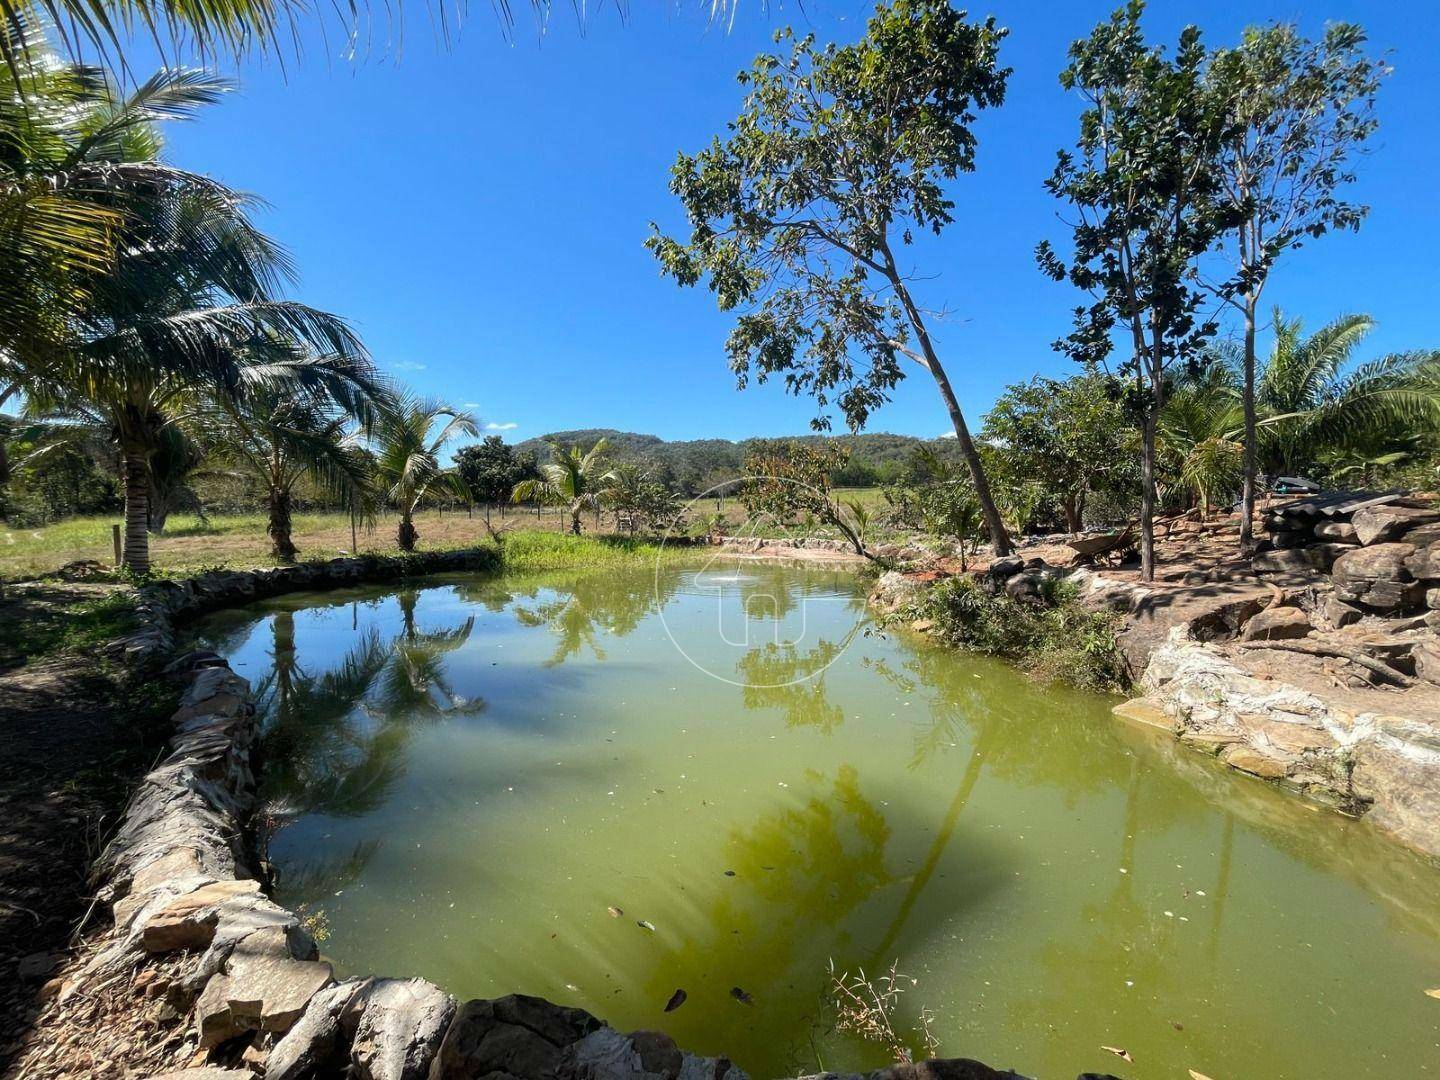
(800, 217)
(1296, 113)
(1142, 187)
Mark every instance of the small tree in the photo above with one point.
(1296, 112)
(284, 439)
(572, 478)
(1142, 184)
(407, 457)
(1071, 436)
(801, 214)
(787, 478)
(640, 501)
(490, 470)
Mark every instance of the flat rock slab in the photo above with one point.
(1144, 711)
(206, 1072)
(189, 922)
(264, 987)
(1389, 522)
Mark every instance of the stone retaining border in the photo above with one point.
(255, 994)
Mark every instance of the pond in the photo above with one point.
(604, 787)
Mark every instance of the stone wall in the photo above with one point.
(244, 976)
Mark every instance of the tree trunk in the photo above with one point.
(137, 518)
(575, 511)
(1247, 498)
(406, 535)
(1147, 496)
(1071, 506)
(158, 514)
(999, 538)
(281, 544)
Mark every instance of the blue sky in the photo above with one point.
(478, 211)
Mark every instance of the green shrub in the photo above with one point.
(1059, 640)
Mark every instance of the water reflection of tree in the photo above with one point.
(335, 739)
(803, 876)
(578, 607)
(783, 676)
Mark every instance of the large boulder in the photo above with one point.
(1277, 624)
(1424, 565)
(1377, 577)
(317, 1044)
(1426, 655)
(1004, 568)
(1383, 523)
(510, 1036)
(400, 1029)
(263, 988)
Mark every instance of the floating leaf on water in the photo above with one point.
(614, 911)
(729, 873)
(741, 996)
(1197, 1075)
(676, 1000)
(1123, 1055)
(645, 924)
(1433, 993)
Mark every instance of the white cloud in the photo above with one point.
(501, 427)
(946, 435)
(471, 405)
(408, 365)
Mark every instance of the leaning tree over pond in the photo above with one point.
(801, 216)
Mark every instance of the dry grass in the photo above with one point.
(189, 544)
(240, 540)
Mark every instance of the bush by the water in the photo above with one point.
(1056, 639)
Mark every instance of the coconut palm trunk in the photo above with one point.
(407, 534)
(576, 509)
(282, 544)
(137, 512)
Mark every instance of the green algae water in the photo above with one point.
(604, 787)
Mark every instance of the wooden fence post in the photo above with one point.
(115, 538)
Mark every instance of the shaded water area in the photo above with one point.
(475, 775)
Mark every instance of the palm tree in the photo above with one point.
(407, 462)
(284, 438)
(1199, 430)
(571, 478)
(1318, 408)
(181, 310)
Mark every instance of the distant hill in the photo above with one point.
(694, 465)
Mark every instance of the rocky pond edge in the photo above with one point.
(191, 921)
